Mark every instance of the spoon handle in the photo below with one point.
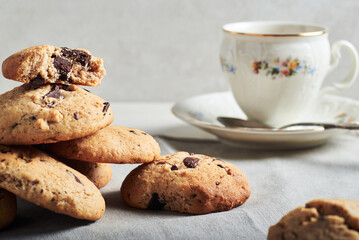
(326, 125)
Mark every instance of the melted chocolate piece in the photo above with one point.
(63, 67)
(54, 93)
(76, 116)
(155, 203)
(34, 183)
(38, 80)
(174, 167)
(106, 105)
(191, 162)
(74, 176)
(76, 55)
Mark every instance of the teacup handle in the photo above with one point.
(354, 67)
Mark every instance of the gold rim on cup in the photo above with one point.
(323, 30)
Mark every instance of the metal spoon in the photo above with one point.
(237, 122)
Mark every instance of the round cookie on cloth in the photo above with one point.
(49, 64)
(112, 144)
(320, 219)
(8, 208)
(38, 178)
(98, 173)
(188, 183)
(35, 114)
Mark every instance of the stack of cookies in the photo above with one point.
(73, 143)
(52, 113)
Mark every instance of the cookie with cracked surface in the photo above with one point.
(188, 183)
(320, 219)
(36, 177)
(8, 208)
(112, 144)
(98, 173)
(50, 64)
(35, 114)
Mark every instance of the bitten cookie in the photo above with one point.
(321, 219)
(188, 183)
(113, 144)
(35, 114)
(98, 173)
(38, 178)
(7, 208)
(49, 64)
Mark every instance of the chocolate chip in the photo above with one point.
(131, 131)
(82, 57)
(174, 167)
(194, 195)
(15, 125)
(191, 154)
(191, 162)
(3, 160)
(53, 199)
(217, 183)
(144, 133)
(74, 176)
(219, 165)
(155, 203)
(38, 80)
(106, 105)
(76, 55)
(32, 118)
(54, 93)
(34, 183)
(76, 116)
(63, 67)
(42, 190)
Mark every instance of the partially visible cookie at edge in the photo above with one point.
(38, 178)
(319, 220)
(36, 114)
(188, 183)
(112, 144)
(8, 207)
(50, 64)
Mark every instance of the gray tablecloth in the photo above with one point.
(280, 181)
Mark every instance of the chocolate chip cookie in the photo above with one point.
(36, 177)
(98, 173)
(188, 183)
(35, 114)
(112, 144)
(49, 64)
(8, 208)
(320, 219)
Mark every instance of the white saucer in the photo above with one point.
(202, 111)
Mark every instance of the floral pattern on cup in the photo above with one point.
(282, 68)
(344, 118)
(227, 67)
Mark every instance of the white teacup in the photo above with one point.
(276, 69)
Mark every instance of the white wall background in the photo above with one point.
(158, 50)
